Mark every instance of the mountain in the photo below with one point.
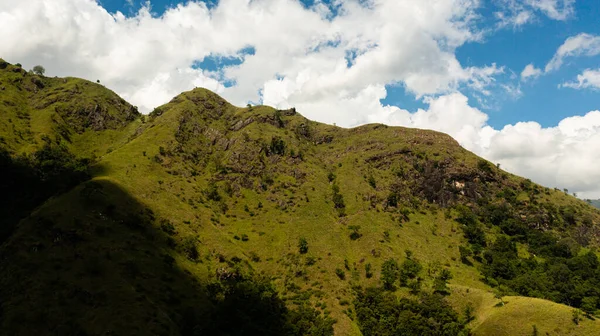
(206, 218)
(595, 203)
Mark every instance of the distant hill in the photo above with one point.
(595, 203)
(206, 218)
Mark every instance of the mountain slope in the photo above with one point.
(202, 207)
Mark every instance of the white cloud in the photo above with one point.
(516, 13)
(565, 156)
(579, 45)
(555, 9)
(588, 79)
(410, 42)
(530, 71)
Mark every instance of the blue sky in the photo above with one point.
(454, 66)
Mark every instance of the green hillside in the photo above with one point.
(205, 218)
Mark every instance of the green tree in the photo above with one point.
(389, 273)
(302, 245)
(39, 70)
(440, 283)
(410, 269)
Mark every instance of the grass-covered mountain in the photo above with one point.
(207, 219)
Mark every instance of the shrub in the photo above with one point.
(340, 273)
(355, 234)
(190, 248)
(302, 245)
(368, 271)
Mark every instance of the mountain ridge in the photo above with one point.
(200, 192)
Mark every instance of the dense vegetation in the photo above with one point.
(380, 312)
(553, 267)
(205, 218)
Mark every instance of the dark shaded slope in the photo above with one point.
(29, 180)
(92, 262)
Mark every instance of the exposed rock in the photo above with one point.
(241, 124)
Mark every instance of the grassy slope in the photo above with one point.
(297, 203)
(90, 119)
(519, 315)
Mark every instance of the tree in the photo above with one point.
(39, 70)
(302, 245)
(441, 281)
(389, 273)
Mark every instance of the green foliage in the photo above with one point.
(368, 271)
(471, 226)
(251, 306)
(409, 270)
(484, 166)
(167, 227)
(338, 200)
(39, 70)
(302, 245)
(355, 232)
(277, 146)
(190, 248)
(340, 273)
(212, 193)
(372, 182)
(389, 273)
(380, 313)
(440, 283)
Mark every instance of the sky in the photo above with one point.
(516, 82)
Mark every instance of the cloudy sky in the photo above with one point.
(515, 81)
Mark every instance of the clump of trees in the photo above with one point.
(560, 273)
(244, 305)
(380, 312)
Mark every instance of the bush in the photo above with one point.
(302, 245)
(340, 273)
(355, 234)
(190, 248)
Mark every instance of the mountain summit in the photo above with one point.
(206, 218)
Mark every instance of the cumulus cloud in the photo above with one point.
(530, 71)
(332, 64)
(580, 45)
(588, 79)
(565, 156)
(406, 41)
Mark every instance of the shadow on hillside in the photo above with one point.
(27, 182)
(92, 262)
